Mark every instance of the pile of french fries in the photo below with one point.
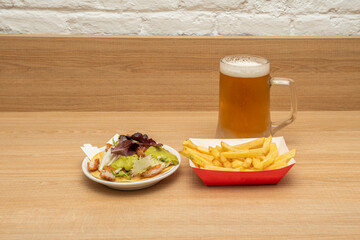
(259, 154)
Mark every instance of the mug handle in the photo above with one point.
(276, 126)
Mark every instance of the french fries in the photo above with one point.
(256, 155)
(253, 144)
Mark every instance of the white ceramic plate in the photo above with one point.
(133, 185)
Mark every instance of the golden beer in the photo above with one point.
(244, 107)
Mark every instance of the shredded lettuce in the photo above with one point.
(157, 161)
(121, 173)
(115, 143)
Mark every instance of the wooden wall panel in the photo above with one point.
(112, 73)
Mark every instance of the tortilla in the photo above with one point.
(122, 179)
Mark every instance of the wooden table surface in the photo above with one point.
(44, 194)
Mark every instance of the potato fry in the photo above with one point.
(203, 150)
(219, 148)
(260, 151)
(249, 170)
(249, 145)
(211, 167)
(266, 145)
(216, 162)
(199, 160)
(197, 157)
(258, 165)
(222, 158)
(194, 151)
(272, 155)
(247, 163)
(224, 161)
(184, 153)
(265, 149)
(227, 164)
(226, 147)
(238, 159)
(286, 156)
(194, 160)
(240, 154)
(276, 165)
(236, 164)
(190, 144)
(215, 153)
(282, 160)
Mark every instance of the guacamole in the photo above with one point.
(162, 155)
(125, 162)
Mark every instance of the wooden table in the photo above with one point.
(44, 194)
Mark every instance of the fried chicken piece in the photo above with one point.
(108, 145)
(140, 151)
(93, 165)
(107, 174)
(153, 171)
(109, 168)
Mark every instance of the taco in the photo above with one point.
(131, 158)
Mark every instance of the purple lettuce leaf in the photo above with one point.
(125, 148)
(128, 145)
(144, 140)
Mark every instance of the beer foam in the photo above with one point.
(244, 66)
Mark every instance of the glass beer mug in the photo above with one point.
(244, 107)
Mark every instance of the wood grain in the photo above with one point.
(46, 196)
(112, 73)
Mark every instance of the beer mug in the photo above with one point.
(244, 104)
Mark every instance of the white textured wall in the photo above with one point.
(181, 17)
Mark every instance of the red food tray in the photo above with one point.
(213, 177)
